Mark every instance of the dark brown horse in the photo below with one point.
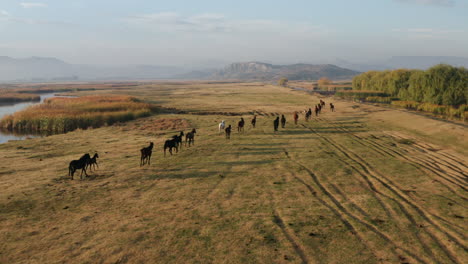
(92, 163)
(240, 125)
(146, 154)
(228, 132)
(190, 137)
(276, 123)
(254, 121)
(296, 117)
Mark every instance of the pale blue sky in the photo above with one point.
(208, 32)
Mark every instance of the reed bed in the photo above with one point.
(60, 115)
(9, 97)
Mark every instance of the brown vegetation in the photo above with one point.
(67, 114)
(13, 97)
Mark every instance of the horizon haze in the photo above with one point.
(210, 34)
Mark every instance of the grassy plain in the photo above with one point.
(362, 185)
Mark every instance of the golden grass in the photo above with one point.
(13, 97)
(341, 188)
(67, 114)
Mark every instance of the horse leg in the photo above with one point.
(149, 159)
(71, 171)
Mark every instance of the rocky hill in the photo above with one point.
(265, 71)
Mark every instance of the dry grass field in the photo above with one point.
(361, 185)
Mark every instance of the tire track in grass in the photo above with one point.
(444, 154)
(402, 157)
(402, 209)
(292, 239)
(340, 216)
(375, 145)
(389, 185)
(345, 212)
(436, 160)
(280, 223)
(422, 169)
(342, 209)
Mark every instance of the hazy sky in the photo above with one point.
(208, 32)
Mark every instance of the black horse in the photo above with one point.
(228, 132)
(254, 121)
(146, 154)
(332, 107)
(79, 164)
(308, 114)
(92, 163)
(240, 125)
(276, 123)
(179, 139)
(190, 137)
(283, 121)
(170, 144)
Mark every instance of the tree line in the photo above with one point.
(441, 84)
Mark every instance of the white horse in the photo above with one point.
(221, 126)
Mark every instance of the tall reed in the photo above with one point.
(61, 115)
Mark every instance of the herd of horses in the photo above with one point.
(86, 161)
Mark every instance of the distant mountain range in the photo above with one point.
(265, 71)
(39, 69)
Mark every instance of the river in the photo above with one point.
(7, 109)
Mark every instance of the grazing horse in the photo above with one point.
(254, 121)
(240, 125)
(228, 132)
(146, 154)
(170, 144)
(276, 123)
(79, 164)
(190, 137)
(332, 107)
(92, 163)
(283, 121)
(221, 126)
(296, 117)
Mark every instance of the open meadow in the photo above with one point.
(364, 184)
